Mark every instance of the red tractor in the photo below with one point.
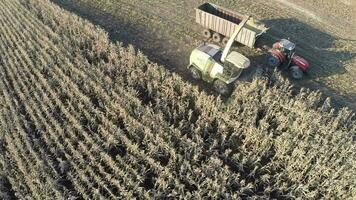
(282, 53)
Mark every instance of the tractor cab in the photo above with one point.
(282, 53)
(285, 46)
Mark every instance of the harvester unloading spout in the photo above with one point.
(232, 38)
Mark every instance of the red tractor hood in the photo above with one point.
(300, 62)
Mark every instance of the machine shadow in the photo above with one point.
(266, 72)
(313, 44)
(131, 34)
(118, 30)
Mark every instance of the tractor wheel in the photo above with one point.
(296, 73)
(273, 61)
(206, 33)
(217, 37)
(221, 87)
(225, 40)
(195, 73)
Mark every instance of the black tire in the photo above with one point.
(273, 61)
(217, 37)
(225, 40)
(259, 72)
(195, 73)
(221, 87)
(206, 33)
(296, 72)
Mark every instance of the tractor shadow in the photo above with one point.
(325, 53)
(322, 50)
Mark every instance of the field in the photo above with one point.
(323, 31)
(82, 117)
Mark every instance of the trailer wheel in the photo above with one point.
(217, 37)
(296, 73)
(225, 40)
(221, 87)
(195, 73)
(206, 33)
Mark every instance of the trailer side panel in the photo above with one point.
(225, 22)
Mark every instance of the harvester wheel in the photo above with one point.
(296, 73)
(225, 40)
(195, 73)
(206, 33)
(221, 87)
(217, 37)
(273, 61)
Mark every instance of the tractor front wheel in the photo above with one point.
(296, 72)
(221, 87)
(273, 61)
(195, 73)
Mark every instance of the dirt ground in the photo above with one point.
(165, 30)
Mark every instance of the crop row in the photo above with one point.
(83, 117)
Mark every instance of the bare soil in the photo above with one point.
(165, 30)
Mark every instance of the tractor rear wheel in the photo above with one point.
(195, 73)
(221, 87)
(273, 61)
(206, 33)
(296, 72)
(217, 37)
